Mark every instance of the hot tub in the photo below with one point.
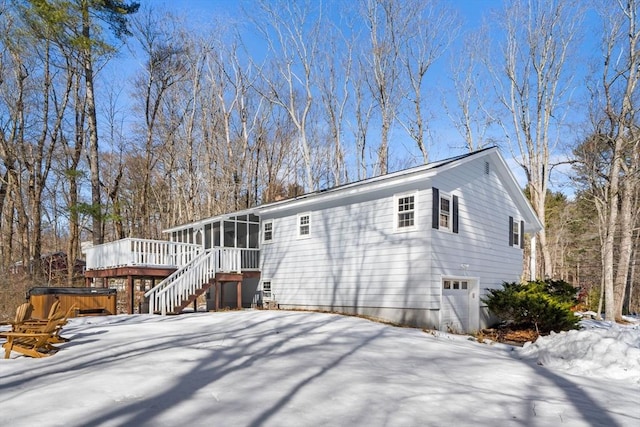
(88, 301)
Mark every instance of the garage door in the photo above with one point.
(454, 310)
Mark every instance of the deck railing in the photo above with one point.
(140, 252)
(195, 266)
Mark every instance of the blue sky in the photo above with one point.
(204, 15)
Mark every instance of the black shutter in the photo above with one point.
(521, 234)
(435, 220)
(510, 231)
(455, 214)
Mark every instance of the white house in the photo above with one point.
(418, 247)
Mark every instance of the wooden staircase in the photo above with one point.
(191, 298)
(182, 287)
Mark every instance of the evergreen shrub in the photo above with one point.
(543, 305)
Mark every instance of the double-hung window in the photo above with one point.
(266, 290)
(445, 211)
(304, 225)
(267, 231)
(516, 233)
(405, 211)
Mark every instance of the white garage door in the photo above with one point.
(454, 310)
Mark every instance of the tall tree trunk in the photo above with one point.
(92, 121)
(626, 245)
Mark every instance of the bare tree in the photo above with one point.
(430, 29)
(333, 82)
(616, 96)
(470, 116)
(163, 45)
(386, 23)
(533, 83)
(292, 31)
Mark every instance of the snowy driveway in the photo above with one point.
(278, 368)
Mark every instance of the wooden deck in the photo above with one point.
(131, 274)
(140, 259)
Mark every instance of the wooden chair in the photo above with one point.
(56, 316)
(33, 344)
(55, 313)
(23, 316)
(23, 313)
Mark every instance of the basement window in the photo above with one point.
(266, 291)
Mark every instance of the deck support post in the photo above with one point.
(131, 294)
(218, 295)
(239, 293)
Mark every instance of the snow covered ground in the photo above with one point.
(279, 368)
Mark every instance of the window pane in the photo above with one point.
(445, 213)
(207, 236)
(304, 225)
(464, 285)
(456, 284)
(406, 207)
(254, 232)
(444, 205)
(268, 231)
(229, 234)
(405, 219)
(216, 234)
(447, 284)
(444, 220)
(241, 235)
(266, 289)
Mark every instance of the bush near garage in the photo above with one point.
(544, 305)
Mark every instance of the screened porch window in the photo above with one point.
(241, 231)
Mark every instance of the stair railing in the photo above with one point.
(184, 282)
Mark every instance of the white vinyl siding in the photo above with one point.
(356, 259)
(353, 257)
(481, 251)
